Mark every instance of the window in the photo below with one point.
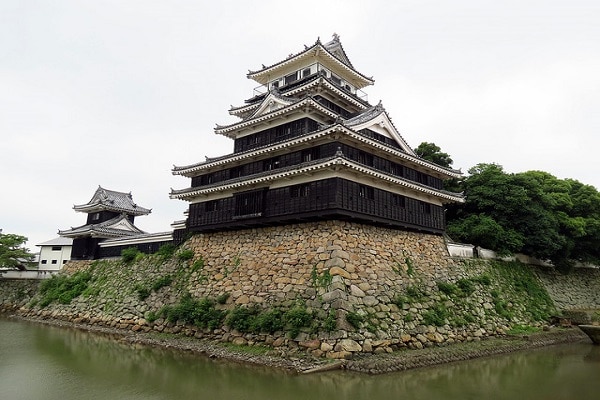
(366, 192)
(44, 261)
(249, 204)
(65, 261)
(271, 164)
(95, 216)
(236, 172)
(56, 248)
(305, 72)
(426, 208)
(399, 201)
(336, 79)
(310, 155)
(300, 190)
(291, 78)
(54, 261)
(212, 205)
(365, 158)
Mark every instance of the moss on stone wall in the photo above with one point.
(333, 288)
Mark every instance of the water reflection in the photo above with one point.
(50, 363)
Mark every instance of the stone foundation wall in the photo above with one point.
(389, 282)
(578, 290)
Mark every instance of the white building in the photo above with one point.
(55, 253)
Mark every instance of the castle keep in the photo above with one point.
(308, 146)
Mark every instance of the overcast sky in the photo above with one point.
(114, 93)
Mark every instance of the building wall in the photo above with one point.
(54, 257)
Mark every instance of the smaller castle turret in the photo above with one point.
(111, 215)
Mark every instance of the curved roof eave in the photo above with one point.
(339, 160)
(308, 101)
(262, 76)
(188, 170)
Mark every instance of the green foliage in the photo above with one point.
(201, 312)
(296, 318)
(198, 265)
(433, 153)
(522, 330)
(354, 319)
(414, 294)
(161, 282)
(322, 280)
(242, 318)
(166, 251)
(142, 291)
(12, 252)
(530, 212)
(64, 288)
(436, 315)
(222, 298)
(185, 254)
(330, 322)
(269, 321)
(483, 279)
(151, 316)
(129, 254)
(524, 284)
(466, 286)
(409, 317)
(501, 305)
(447, 288)
(254, 320)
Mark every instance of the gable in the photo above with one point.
(382, 125)
(269, 104)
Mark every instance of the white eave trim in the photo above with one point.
(224, 130)
(337, 161)
(189, 172)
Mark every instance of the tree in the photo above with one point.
(530, 212)
(432, 152)
(12, 252)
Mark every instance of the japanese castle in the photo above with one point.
(110, 215)
(309, 146)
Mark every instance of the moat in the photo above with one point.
(44, 362)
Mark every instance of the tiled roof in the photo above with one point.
(333, 49)
(111, 228)
(311, 167)
(309, 136)
(59, 241)
(104, 199)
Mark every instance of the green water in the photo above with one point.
(39, 362)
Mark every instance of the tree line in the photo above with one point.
(531, 212)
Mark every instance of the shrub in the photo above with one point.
(330, 322)
(201, 313)
(142, 292)
(162, 282)
(414, 293)
(129, 254)
(297, 318)
(185, 255)
(222, 298)
(447, 288)
(354, 319)
(241, 318)
(483, 279)
(466, 286)
(269, 321)
(166, 251)
(436, 315)
(64, 288)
